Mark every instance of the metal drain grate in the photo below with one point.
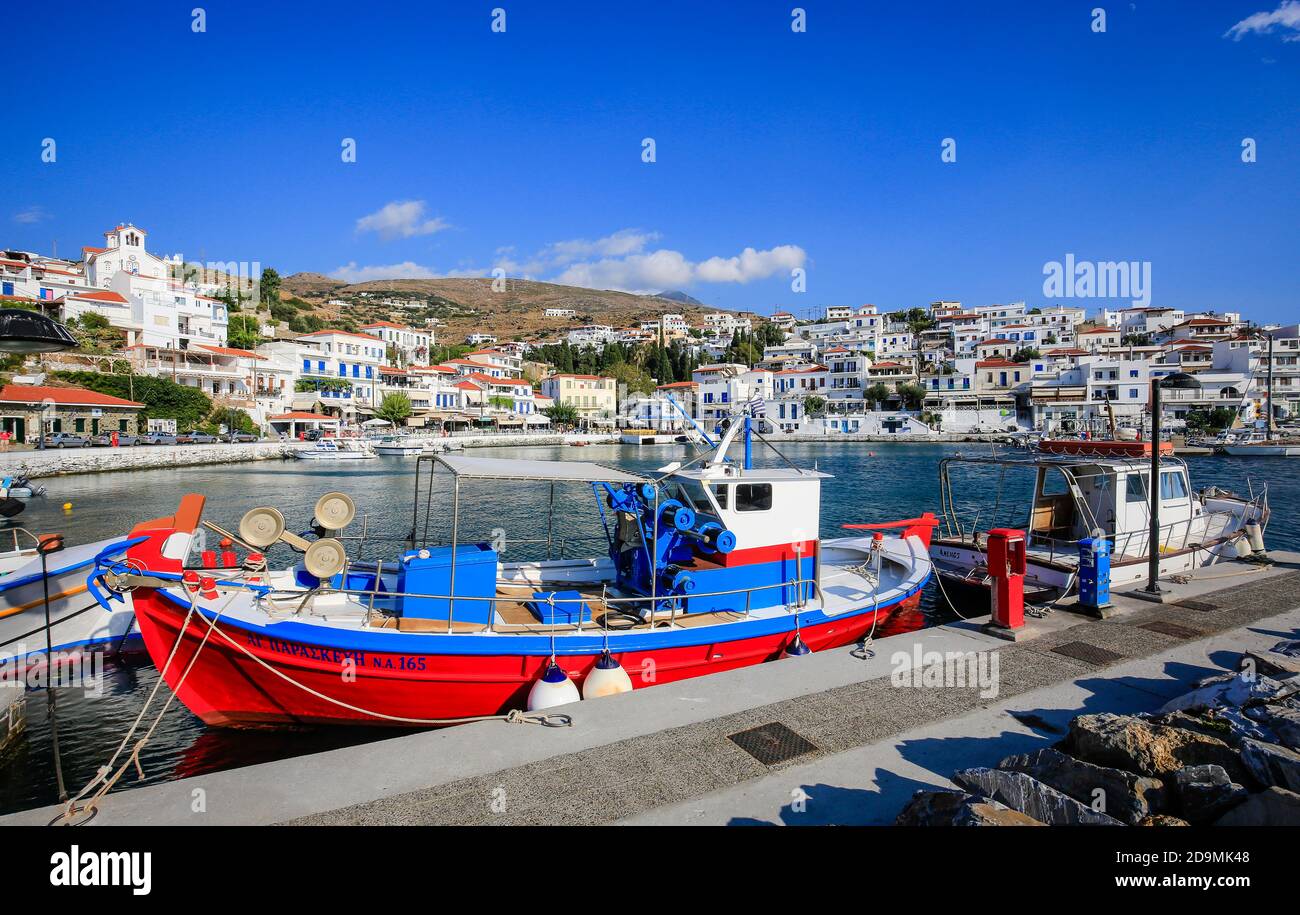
(1090, 654)
(772, 743)
(1201, 605)
(1177, 631)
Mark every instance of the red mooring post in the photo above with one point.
(1006, 562)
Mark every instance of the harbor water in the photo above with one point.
(871, 482)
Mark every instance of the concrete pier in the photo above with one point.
(860, 731)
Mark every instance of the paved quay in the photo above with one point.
(861, 744)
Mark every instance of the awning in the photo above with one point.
(536, 419)
(481, 468)
(510, 421)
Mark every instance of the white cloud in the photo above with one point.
(1285, 18)
(751, 265)
(31, 215)
(652, 272)
(401, 219)
(656, 271)
(619, 244)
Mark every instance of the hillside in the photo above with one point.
(469, 305)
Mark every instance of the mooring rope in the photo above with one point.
(106, 778)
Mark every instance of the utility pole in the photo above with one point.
(1269, 428)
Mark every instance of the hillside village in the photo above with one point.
(165, 345)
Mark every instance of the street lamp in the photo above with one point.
(1177, 381)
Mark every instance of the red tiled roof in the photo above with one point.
(388, 324)
(679, 384)
(72, 397)
(299, 414)
(998, 340)
(999, 363)
(1100, 330)
(231, 351)
(99, 295)
(802, 370)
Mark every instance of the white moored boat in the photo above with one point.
(77, 620)
(336, 449)
(1072, 498)
(393, 446)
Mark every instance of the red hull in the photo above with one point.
(227, 688)
(1101, 448)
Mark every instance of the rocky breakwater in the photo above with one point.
(1225, 754)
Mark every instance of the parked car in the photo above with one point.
(65, 440)
(233, 437)
(105, 439)
(158, 438)
(196, 438)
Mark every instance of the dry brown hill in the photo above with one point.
(469, 305)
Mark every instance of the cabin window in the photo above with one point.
(1172, 486)
(753, 497)
(720, 493)
(1135, 488)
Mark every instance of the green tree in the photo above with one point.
(395, 408)
(633, 377)
(875, 394)
(562, 414)
(233, 419)
(913, 395)
(163, 398)
(242, 332)
(814, 405)
(1025, 353)
(268, 289)
(501, 402)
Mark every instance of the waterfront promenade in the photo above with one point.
(665, 755)
(56, 462)
(50, 462)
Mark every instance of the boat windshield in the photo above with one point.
(691, 493)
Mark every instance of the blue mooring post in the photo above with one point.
(1094, 574)
(749, 444)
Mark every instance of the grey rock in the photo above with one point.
(957, 808)
(1233, 691)
(1282, 720)
(1271, 807)
(1274, 663)
(1031, 797)
(1128, 797)
(1288, 647)
(1145, 747)
(1271, 764)
(1206, 792)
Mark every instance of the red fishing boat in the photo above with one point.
(708, 567)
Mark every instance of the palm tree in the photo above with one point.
(395, 408)
(562, 414)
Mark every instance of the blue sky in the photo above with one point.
(523, 149)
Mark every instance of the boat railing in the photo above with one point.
(14, 533)
(807, 595)
(1123, 543)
